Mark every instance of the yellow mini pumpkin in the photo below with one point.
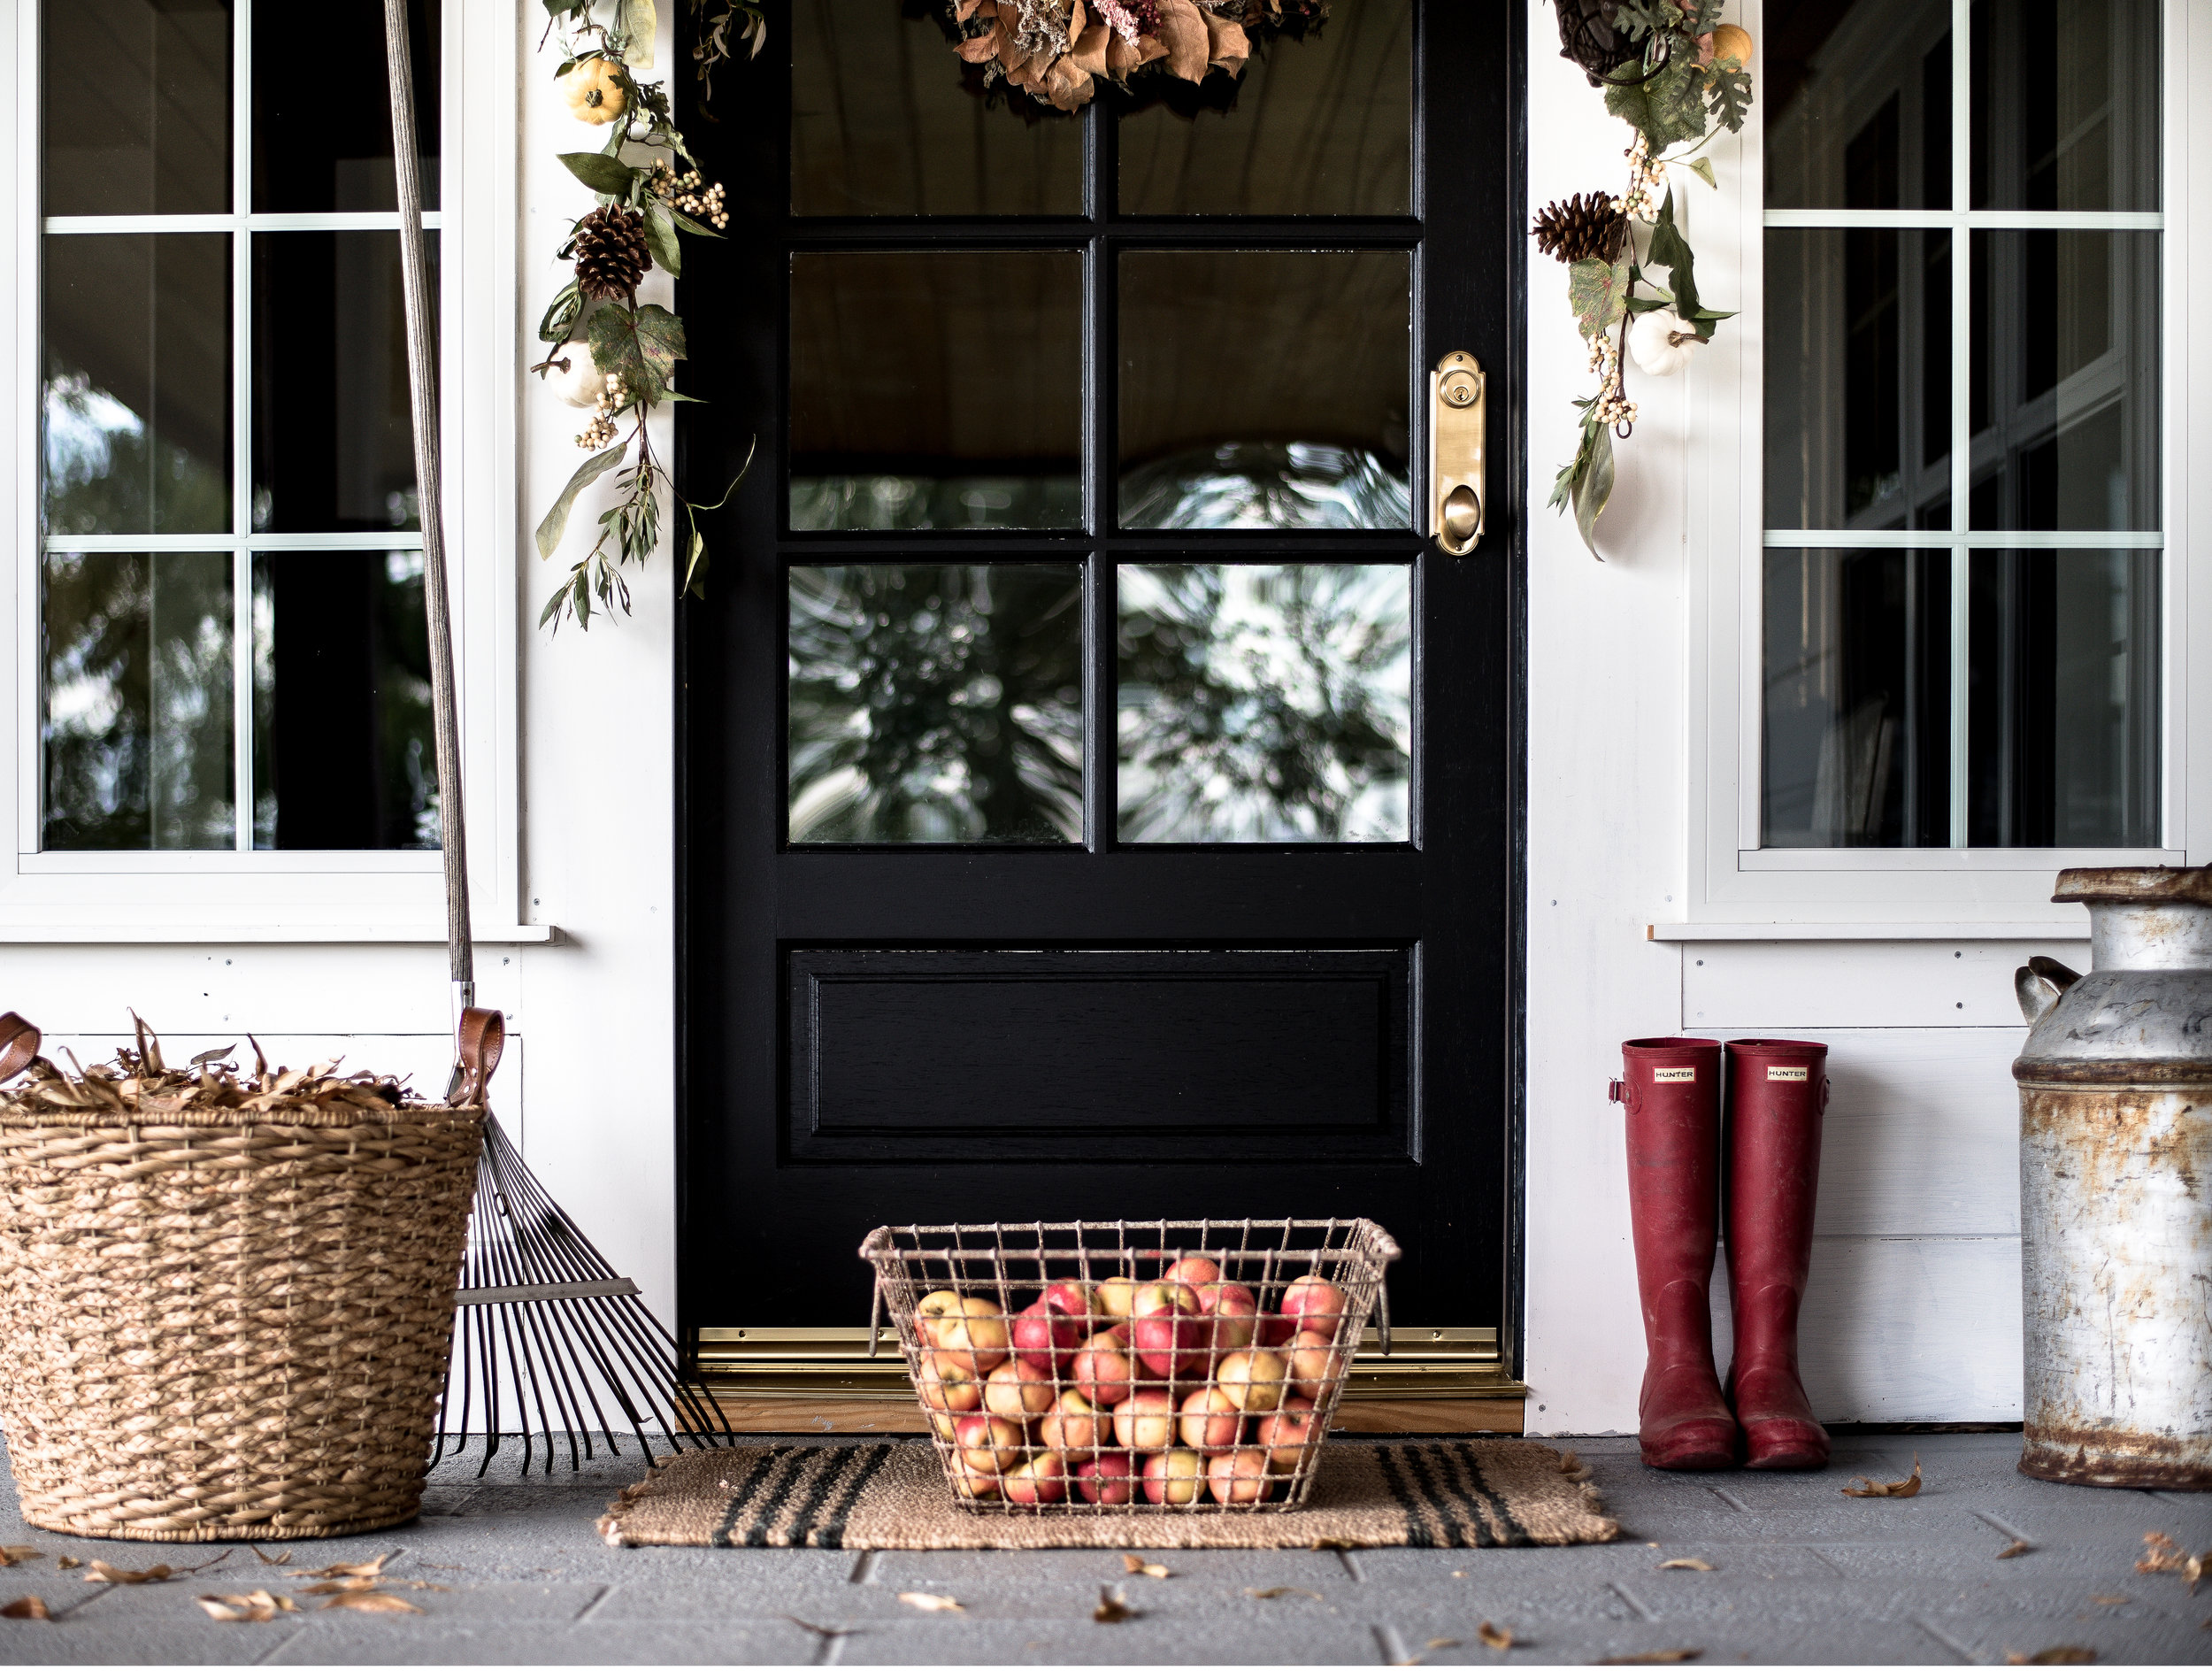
(594, 91)
(1729, 42)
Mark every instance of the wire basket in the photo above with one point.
(1091, 1367)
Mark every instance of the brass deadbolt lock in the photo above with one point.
(1457, 419)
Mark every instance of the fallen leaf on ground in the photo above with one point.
(10, 1554)
(1273, 1591)
(1459, 1573)
(100, 1573)
(277, 1561)
(1908, 1487)
(2108, 1602)
(2162, 1554)
(1149, 1569)
(1653, 1658)
(25, 1608)
(1690, 1562)
(65, 1563)
(1113, 1607)
(345, 1569)
(2064, 1655)
(1495, 1636)
(374, 1602)
(2018, 1547)
(819, 1631)
(255, 1608)
(930, 1605)
(1447, 1643)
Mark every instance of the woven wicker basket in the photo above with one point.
(232, 1325)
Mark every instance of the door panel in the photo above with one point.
(1098, 798)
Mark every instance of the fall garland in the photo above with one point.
(1675, 73)
(1055, 51)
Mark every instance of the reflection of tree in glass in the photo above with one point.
(1264, 702)
(103, 473)
(936, 703)
(137, 736)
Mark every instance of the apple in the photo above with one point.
(1315, 1303)
(1117, 1297)
(1275, 1329)
(1174, 1477)
(947, 1393)
(1163, 1296)
(1232, 1314)
(1170, 1342)
(1193, 1272)
(978, 1341)
(1315, 1365)
(1074, 1427)
(1252, 1380)
(1145, 1421)
(1041, 1480)
(1045, 1334)
(989, 1445)
(1110, 1477)
(1289, 1434)
(1210, 1420)
(1102, 1370)
(933, 1309)
(1073, 1299)
(968, 1482)
(1019, 1390)
(1238, 1477)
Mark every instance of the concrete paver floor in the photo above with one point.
(1798, 1573)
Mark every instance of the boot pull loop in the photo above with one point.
(1615, 1091)
(1827, 1087)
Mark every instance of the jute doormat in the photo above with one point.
(1454, 1494)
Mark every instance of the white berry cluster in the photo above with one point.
(611, 402)
(689, 193)
(1641, 201)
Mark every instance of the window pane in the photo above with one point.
(136, 106)
(937, 392)
(332, 438)
(1858, 388)
(1321, 123)
(1855, 744)
(137, 398)
(1265, 389)
(1858, 101)
(1265, 702)
(322, 116)
(933, 705)
(341, 705)
(2065, 380)
(2066, 104)
(137, 716)
(886, 121)
(2064, 713)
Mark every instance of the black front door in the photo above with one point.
(1098, 797)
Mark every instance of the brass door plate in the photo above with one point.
(1458, 418)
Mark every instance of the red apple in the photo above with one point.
(1238, 1477)
(1275, 1329)
(1019, 1390)
(1145, 1421)
(1252, 1380)
(1074, 1299)
(989, 1445)
(1315, 1366)
(1074, 1427)
(946, 1395)
(977, 1341)
(968, 1482)
(1232, 1313)
(1170, 1342)
(1174, 1477)
(1315, 1303)
(1045, 1334)
(1102, 1370)
(1110, 1477)
(1163, 1296)
(933, 1310)
(1195, 1271)
(1289, 1434)
(1041, 1480)
(1210, 1420)
(1117, 1297)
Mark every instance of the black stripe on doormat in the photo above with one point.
(1417, 1534)
(1457, 1535)
(772, 1498)
(800, 1532)
(1516, 1533)
(736, 1504)
(831, 1535)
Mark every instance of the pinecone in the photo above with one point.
(612, 255)
(1587, 225)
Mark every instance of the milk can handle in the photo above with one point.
(2040, 984)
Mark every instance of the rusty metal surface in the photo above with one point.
(2134, 885)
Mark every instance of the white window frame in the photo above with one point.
(277, 896)
(1733, 886)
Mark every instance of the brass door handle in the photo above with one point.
(1458, 415)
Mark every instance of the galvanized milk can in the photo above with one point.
(2115, 1187)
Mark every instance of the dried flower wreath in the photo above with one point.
(1055, 51)
(1675, 73)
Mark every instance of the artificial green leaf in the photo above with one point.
(637, 20)
(639, 347)
(660, 237)
(554, 525)
(1727, 89)
(1668, 109)
(695, 566)
(689, 226)
(1703, 166)
(560, 315)
(1671, 251)
(1595, 488)
(1598, 293)
(562, 8)
(1659, 299)
(610, 177)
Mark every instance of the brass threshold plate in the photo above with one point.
(833, 1363)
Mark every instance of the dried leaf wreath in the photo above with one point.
(1676, 74)
(1055, 51)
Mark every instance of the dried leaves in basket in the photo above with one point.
(140, 1081)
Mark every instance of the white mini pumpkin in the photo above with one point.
(1662, 343)
(580, 385)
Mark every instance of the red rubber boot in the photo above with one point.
(1672, 1092)
(1777, 1091)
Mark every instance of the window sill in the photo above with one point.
(239, 932)
(2075, 929)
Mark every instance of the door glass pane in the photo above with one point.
(936, 703)
(886, 121)
(136, 727)
(341, 705)
(322, 113)
(2065, 386)
(135, 109)
(137, 398)
(2063, 707)
(1264, 390)
(1320, 123)
(1264, 703)
(2066, 104)
(1856, 724)
(937, 390)
(1858, 101)
(333, 437)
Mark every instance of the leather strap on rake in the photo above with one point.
(19, 1045)
(481, 1040)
